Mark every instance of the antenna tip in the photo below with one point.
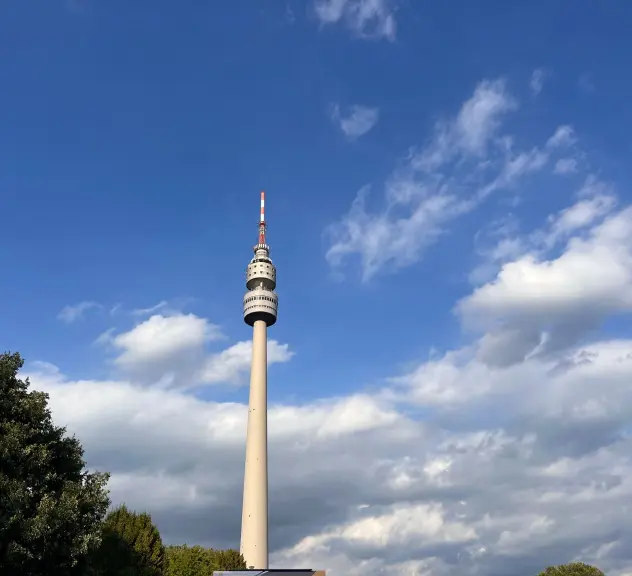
(263, 196)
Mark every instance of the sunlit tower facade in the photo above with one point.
(260, 311)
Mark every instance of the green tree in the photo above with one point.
(198, 561)
(228, 560)
(131, 545)
(50, 507)
(572, 569)
(188, 561)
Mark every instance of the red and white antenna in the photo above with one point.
(262, 220)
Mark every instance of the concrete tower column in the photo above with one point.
(254, 516)
(260, 311)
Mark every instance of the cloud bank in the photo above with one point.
(501, 456)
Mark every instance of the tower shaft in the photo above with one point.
(260, 311)
(254, 516)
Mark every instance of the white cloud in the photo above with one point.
(365, 18)
(382, 239)
(479, 118)
(503, 456)
(358, 121)
(522, 459)
(163, 337)
(467, 159)
(470, 132)
(171, 351)
(595, 199)
(564, 136)
(546, 289)
(230, 365)
(105, 338)
(425, 498)
(537, 81)
(566, 166)
(171, 307)
(330, 11)
(400, 525)
(74, 312)
(151, 310)
(580, 215)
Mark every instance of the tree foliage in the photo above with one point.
(131, 545)
(229, 560)
(199, 561)
(50, 507)
(572, 569)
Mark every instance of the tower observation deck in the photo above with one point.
(261, 302)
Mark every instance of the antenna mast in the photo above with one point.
(262, 220)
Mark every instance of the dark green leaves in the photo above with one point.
(572, 569)
(198, 561)
(52, 510)
(131, 546)
(50, 507)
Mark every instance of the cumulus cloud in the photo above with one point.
(357, 121)
(160, 337)
(192, 450)
(168, 349)
(467, 159)
(172, 351)
(230, 365)
(543, 478)
(500, 242)
(370, 19)
(549, 302)
(73, 312)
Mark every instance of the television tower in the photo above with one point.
(260, 311)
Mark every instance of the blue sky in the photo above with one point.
(135, 138)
